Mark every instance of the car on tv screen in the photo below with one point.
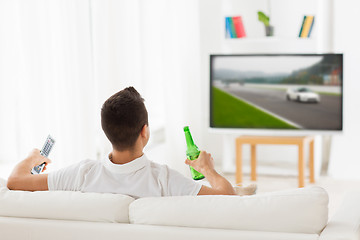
(302, 94)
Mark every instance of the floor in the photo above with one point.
(336, 188)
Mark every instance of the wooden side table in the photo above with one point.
(254, 140)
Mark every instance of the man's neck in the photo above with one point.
(122, 157)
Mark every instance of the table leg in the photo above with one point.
(238, 163)
(311, 162)
(301, 165)
(253, 162)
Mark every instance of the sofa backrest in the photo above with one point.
(65, 205)
(303, 210)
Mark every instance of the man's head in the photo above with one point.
(123, 117)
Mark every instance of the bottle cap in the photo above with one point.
(186, 128)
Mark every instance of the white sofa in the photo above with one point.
(288, 215)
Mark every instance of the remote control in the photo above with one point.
(45, 151)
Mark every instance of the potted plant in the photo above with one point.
(269, 30)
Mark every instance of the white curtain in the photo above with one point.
(128, 40)
(46, 80)
(154, 46)
(61, 59)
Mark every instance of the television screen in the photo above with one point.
(276, 91)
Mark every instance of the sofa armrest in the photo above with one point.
(345, 224)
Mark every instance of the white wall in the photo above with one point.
(325, 38)
(345, 157)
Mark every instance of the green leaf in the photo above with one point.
(263, 18)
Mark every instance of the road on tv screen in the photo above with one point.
(325, 115)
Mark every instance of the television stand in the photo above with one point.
(300, 141)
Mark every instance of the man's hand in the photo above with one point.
(204, 163)
(21, 177)
(219, 185)
(35, 158)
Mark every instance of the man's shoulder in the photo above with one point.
(82, 166)
(90, 163)
(156, 167)
(159, 166)
(163, 170)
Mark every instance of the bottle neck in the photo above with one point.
(189, 139)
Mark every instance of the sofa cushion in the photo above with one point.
(66, 205)
(43, 229)
(303, 210)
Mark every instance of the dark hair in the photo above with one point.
(123, 116)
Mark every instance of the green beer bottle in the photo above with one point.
(192, 153)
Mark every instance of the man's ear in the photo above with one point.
(145, 134)
(145, 131)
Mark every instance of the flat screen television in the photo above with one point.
(277, 92)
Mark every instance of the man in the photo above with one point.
(126, 170)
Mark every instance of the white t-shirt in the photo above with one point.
(138, 178)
